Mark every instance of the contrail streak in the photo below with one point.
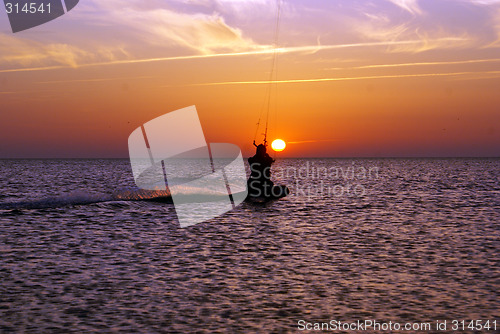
(458, 62)
(342, 78)
(264, 51)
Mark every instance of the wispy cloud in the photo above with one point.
(27, 52)
(146, 31)
(496, 24)
(166, 27)
(484, 2)
(138, 28)
(383, 28)
(203, 33)
(241, 8)
(408, 5)
(433, 40)
(471, 20)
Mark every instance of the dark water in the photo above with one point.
(391, 240)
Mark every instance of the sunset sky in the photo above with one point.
(382, 78)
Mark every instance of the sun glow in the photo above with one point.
(278, 145)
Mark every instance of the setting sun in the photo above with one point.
(278, 145)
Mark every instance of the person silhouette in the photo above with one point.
(259, 182)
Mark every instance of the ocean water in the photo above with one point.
(384, 239)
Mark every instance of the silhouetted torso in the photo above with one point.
(260, 167)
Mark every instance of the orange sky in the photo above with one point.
(385, 78)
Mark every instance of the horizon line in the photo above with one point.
(289, 157)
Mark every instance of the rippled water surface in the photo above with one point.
(400, 240)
